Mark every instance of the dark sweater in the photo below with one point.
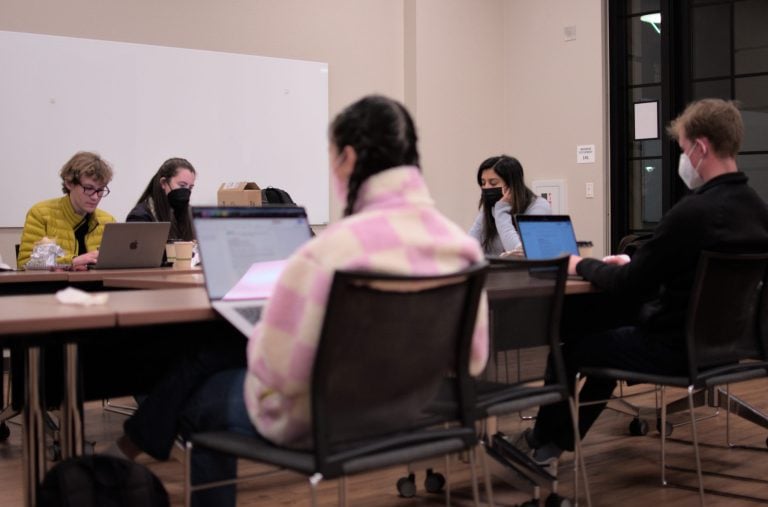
(723, 215)
(141, 213)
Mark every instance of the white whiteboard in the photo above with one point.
(234, 117)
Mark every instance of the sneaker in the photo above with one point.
(547, 457)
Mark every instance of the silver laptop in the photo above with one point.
(243, 251)
(132, 245)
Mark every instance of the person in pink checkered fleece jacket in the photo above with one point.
(391, 225)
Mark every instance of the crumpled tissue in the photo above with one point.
(72, 296)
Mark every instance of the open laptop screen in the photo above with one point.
(546, 236)
(231, 240)
(132, 245)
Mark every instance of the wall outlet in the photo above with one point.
(590, 190)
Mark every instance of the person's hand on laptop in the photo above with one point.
(80, 263)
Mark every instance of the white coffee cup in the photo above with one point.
(170, 252)
(585, 248)
(183, 254)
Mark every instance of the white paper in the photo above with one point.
(646, 120)
(72, 296)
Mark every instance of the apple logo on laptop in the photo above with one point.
(133, 245)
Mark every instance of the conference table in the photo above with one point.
(159, 297)
(34, 321)
(162, 281)
(45, 282)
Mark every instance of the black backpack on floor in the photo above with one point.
(101, 481)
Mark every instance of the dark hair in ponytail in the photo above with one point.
(383, 135)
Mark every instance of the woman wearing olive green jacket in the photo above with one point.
(72, 221)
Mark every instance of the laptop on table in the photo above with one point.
(547, 237)
(243, 252)
(132, 245)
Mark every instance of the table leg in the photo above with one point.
(72, 409)
(33, 432)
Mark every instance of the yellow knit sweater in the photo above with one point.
(56, 219)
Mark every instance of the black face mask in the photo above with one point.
(179, 198)
(491, 195)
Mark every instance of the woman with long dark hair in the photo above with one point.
(504, 194)
(166, 199)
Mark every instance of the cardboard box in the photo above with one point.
(239, 193)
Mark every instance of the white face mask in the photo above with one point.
(689, 174)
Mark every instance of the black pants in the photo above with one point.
(625, 348)
(154, 425)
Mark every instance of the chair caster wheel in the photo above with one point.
(5, 432)
(668, 427)
(555, 500)
(638, 427)
(406, 486)
(434, 482)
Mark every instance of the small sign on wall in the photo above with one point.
(554, 191)
(585, 154)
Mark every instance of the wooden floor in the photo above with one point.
(623, 470)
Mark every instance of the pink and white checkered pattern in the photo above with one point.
(395, 228)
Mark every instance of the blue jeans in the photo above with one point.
(217, 406)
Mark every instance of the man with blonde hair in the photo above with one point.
(721, 214)
(72, 221)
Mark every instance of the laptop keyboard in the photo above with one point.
(250, 313)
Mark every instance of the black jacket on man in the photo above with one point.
(723, 215)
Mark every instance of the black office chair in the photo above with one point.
(726, 338)
(525, 300)
(387, 344)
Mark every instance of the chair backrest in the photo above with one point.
(525, 300)
(726, 320)
(387, 344)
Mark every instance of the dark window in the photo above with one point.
(750, 36)
(673, 52)
(711, 41)
(752, 93)
(645, 189)
(636, 6)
